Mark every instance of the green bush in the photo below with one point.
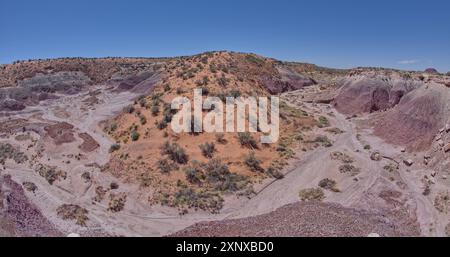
(312, 194)
(166, 166)
(208, 149)
(167, 87)
(135, 135)
(271, 171)
(175, 152)
(219, 176)
(220, 138)
(129, 109)
(142, 119)
(253, 59)
(155, 110)
(246, 139)
(222, 81)
(253, 163)
(114, 147)
(323, 122)
(161, 124)
(234, 93)
(323, 140)
(329, 184)
(194, 175)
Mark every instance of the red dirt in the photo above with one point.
(61, 132)
(89, 144)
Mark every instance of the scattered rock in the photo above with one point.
(408, 162)
(447, 148)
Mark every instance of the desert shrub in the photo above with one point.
(86, 176)
(129, 109)
(252, 162)
(117, 202)
(204, 200)
(220, 178)
(253, 59)
(175, 152)
(222, 81)
(165, 166)
(167, 87)
(442, 202)
(312, 194)
(114, 147)
(323, 140)
(367, 147)
(161, 124)
(334, 131)
(348, 168)
(220, 138)
(168, 113)
(284, 150)
(341, 157)
(194, 175)
(114, 186)
(234, 93)
(7, 151)
(73, 212)
(142, 102)
(246, 140)
(390, 167)
(204, 59)
(323, 122)
(207, 149)
(144, 179)
(179, 91)
(271, 171)
(30, 186)
(213, 68)
(113, 127)
(155, 110)
(100, 193)
(135, 135)
(50, 173)
(142, 119)
(329, 184)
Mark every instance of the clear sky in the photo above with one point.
(400, 34)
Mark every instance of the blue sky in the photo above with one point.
(400, 34)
